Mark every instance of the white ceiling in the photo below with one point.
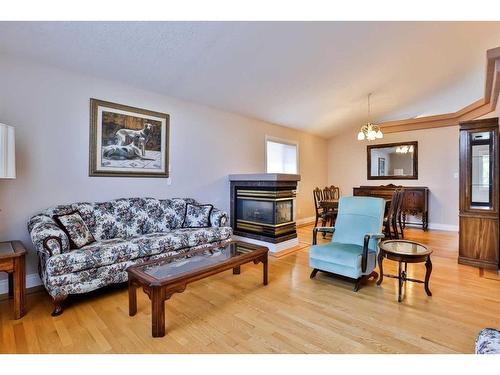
(313, 76)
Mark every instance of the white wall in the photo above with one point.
(50, 111)
(437, 168)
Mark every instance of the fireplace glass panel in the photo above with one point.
(256, 211)
(265, 212)
(284, 212)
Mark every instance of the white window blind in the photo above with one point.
(281, 157)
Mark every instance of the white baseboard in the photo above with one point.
(31, 281)
(305, 220)
(446, 227)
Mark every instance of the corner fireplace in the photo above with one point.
(262, 207)
(265, 212)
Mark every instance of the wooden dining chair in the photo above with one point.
(399, 213)
(318, 197)
(390, 219)
(321, 213)
(332, 193)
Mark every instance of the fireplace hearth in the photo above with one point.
(262, 208)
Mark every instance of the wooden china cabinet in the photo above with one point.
(479, 194)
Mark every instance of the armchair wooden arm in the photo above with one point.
(367, 238)
(322, 230)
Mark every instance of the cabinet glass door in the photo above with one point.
(481, 170)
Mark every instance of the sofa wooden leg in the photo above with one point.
(313, 273)
(58, 305)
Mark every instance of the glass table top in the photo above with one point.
(404, 247)
(171, 268)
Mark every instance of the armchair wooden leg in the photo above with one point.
(313, 273)
(357, 285)
(362, 279)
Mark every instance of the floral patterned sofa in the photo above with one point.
(126, 231)
(488, 341)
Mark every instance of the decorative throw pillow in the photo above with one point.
(78, 233)
(197, 216)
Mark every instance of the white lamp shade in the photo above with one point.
(7, 152)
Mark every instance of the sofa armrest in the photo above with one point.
(46, 235)
(218, 218)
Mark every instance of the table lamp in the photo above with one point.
(7, 152)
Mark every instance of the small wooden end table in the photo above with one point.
(160, 279)
(405, 252)
(12, 261)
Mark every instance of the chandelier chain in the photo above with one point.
(369, 131)
(369, 108)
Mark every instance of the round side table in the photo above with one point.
(405, 252)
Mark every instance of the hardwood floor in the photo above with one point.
(230, 313)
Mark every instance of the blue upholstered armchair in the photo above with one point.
(352, 253)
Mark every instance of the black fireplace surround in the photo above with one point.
(263, 210)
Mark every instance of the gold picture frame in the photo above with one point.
(127, 142)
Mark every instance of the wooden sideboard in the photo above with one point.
(416, 200)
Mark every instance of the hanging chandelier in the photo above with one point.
(369, 131)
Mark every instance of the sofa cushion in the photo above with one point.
(197, 215)
(339, 253)
(75, 228)
(118, 250)
(175, 210)
(339, 258)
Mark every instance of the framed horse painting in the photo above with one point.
(127, 141)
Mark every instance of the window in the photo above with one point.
(281, 156)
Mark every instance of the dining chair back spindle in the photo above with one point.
(335, 192)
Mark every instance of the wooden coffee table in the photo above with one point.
(160, 279)
(405, 252)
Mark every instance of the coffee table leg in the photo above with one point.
(265, 269)
(428, 271)
(157, 312)
(236, 270)
(380, 266)
(132, 297)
